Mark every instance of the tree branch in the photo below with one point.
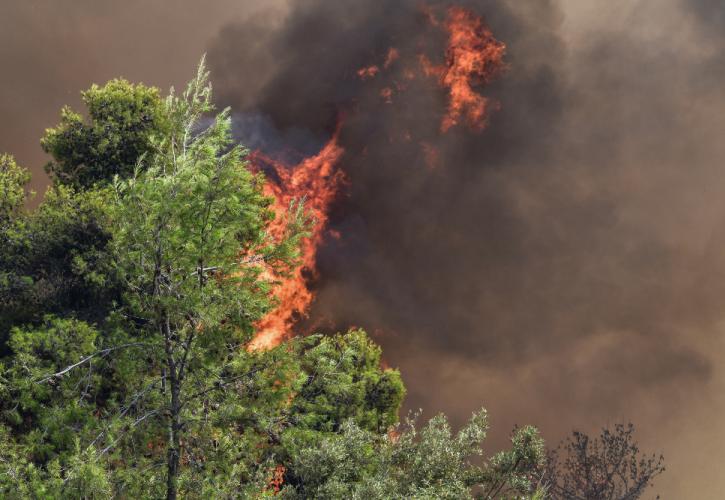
(102, 352)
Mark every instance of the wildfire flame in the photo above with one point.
(368, 71)
(372, 71)
(317, 180)
(473, 57)
(391, 57)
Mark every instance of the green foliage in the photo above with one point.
(124, 120)
(305, 390)
(19, 477)
(345, 382)
(49, 406)
(84, 476)
(50, 412)
(186, 238)
(13, 179)
(190, 243)
(189, 234)
(432, 463)
(514, 471)
(55, 260)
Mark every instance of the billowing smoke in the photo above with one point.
(563, 266)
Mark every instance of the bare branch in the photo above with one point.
(134, 424)
(102, 353)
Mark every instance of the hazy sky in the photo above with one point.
(564, 268)
(52, 49)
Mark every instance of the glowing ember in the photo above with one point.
(473, 57)
(392, 56)
(387, 95)
(431, 155)
(318, 180)
(372, 71)
(368, 72)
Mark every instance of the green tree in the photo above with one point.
(70, 393)
(347, 383)
(189, 242)
(13, 179)
(48, 420)
(314, 387)
(165, 367)
(405, 463)
(56, 260)
(123, 121)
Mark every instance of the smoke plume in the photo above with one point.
(563, 266)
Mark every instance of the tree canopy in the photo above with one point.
(123, 121)
(128, 299)
(606, 466)
(13, 179)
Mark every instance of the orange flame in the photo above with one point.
(368, 72)
(387, 95)
(431, 155)
(473, 57)
(318, 180)
(391, 57)
(277, 480)
(371, 71)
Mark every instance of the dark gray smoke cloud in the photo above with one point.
(564, 267)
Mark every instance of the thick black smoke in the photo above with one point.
(423, 243)
(563, 266)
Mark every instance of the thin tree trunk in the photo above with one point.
(173, 445)
(174, 441)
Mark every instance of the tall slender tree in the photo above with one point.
(191, 242)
